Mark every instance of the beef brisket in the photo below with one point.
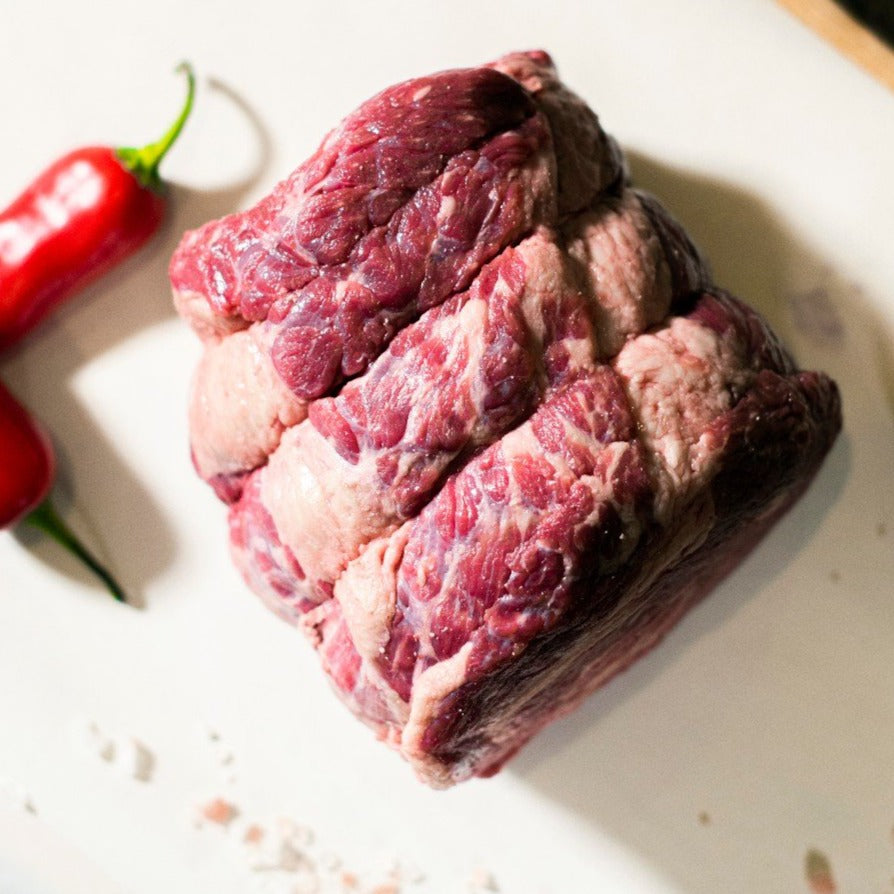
(485, 426)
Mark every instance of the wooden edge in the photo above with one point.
(835, 25)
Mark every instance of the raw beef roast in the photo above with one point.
(485, 426)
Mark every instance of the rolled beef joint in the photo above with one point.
(485, 426)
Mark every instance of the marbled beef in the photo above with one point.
(485, 427)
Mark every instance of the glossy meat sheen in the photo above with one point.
(431, 248)
(486, 428)
(363, 173)
(467, 372)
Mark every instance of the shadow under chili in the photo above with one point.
(120, 521)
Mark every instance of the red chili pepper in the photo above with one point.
(80, 217)
(26, 476)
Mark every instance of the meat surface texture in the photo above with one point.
(485, 426)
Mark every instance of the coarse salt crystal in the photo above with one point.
(91, 737)
(253, 834)
(280, 849)
(219, 811)
(133, 758)
(127, 754)
(289, 858)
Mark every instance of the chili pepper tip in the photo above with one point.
(46, 519)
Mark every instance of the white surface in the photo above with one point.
(770, 708)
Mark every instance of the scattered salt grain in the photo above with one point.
(307, 882)
(289, 858)
(413, 875)
(482, 880)
(253, 834)
(281, 849)
(128, 755)
(133, 758)
(400, 874)
(223, 755)
(330, 862)
(283, 859)
(15, 794)
(302, 836)
(95, 741)
(219, 811)
(386, 888)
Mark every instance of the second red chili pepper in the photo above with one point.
(84, 214)
(26, 476)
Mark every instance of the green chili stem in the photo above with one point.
(46, 519)
(143, 162)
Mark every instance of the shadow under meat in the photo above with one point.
(579, 761)
(117, 517)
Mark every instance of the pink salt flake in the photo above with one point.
(253, 834)
(219, 811)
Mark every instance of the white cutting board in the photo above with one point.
(762, 728)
